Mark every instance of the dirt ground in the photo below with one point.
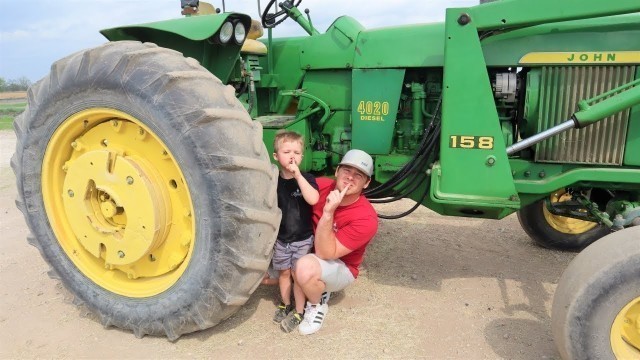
(432, 287)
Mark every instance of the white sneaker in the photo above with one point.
(325, 297)
(313, 317)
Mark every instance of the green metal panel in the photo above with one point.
(287, 72)
(462, 204)
(333, 49)
(506, 13)
(604, 176)
(332, 86)
(402, 46)
(615, 33)
(374, 106)
(632, 151)
(397, 46)
(474, 165)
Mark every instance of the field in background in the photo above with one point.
(11, 105)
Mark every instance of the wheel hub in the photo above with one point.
(565, 224)
(625, 331)
(100, 182)
(118, 202)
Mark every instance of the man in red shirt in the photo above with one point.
(345, 222)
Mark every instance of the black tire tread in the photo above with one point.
(241, 264)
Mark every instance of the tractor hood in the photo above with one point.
(423, 45)
(401, 46)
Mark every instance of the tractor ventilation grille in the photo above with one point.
(560, 90)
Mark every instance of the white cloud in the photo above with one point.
(13, 35)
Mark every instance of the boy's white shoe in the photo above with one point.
(314, 315)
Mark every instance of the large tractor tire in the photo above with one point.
(596, 306)
(146, 187)
(558, 232)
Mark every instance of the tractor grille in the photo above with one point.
(560, 90)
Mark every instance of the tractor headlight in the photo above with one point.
(239, 33)
(226, 31)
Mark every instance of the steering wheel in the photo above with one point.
(271, 20)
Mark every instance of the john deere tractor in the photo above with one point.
(143, 164)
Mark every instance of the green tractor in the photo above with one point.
(144, 177)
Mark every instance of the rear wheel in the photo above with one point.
(137, 173)
(555, 231)
(596, 306)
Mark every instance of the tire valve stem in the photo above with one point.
(129, 180)
(120, 254)
(70, 192)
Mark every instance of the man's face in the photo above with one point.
(289, 152)
(348, 175)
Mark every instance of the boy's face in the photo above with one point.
(289, 152)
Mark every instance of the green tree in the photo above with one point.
(20, 84)
(23, 83)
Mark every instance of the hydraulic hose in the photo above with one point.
(412, 172)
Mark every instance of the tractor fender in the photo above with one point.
(193, 36)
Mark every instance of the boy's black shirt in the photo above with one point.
(296, 212)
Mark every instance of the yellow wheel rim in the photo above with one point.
(118, 202)
(565, 224)
(625, 332)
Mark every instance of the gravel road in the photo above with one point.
(432, 287)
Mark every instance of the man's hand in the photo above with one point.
(334, 199)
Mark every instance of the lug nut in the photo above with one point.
(129, 180)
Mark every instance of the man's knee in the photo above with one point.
(307, 268)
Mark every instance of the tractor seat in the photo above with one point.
(251, 45)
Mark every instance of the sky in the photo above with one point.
(36, 33)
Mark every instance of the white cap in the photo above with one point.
(359, 160)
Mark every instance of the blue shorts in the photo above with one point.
(285, 255)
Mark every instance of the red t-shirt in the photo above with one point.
(354, 224)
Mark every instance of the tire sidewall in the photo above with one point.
(595, 287)
(203, 257)
(596, 311)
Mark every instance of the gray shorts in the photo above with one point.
(335, 274)
(286, 255)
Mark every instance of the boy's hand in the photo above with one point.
(334, 199)
(294, 169)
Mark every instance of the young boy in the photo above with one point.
(297, 192)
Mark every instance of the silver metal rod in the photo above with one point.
(569, 124)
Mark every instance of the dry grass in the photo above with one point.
(13, 95)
